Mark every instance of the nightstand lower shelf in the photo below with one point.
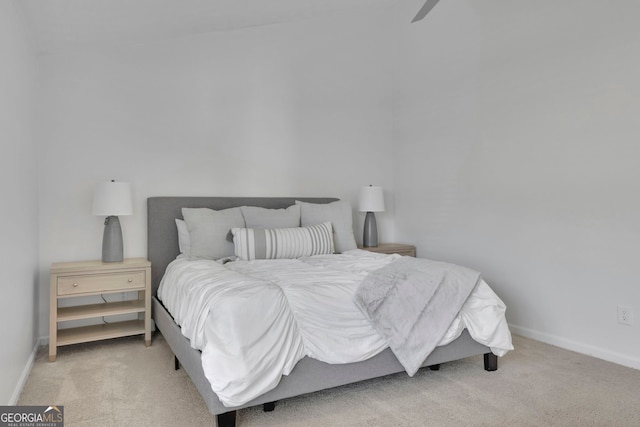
(105, 309)
(100, 332)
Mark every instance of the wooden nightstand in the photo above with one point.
(392, 248)
(86, 278)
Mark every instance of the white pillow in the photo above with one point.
(209, 231)
(282, 243)
(255, 217)
(184, 241)
(341, 218)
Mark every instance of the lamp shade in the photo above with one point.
(112, 199)
(371, 199)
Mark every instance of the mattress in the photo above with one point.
(254, 320)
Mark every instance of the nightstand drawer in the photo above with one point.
(114, 282)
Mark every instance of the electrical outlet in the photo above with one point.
(625, 315)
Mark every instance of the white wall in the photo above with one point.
(502, 132)
(19, 212)
(298, 109)
(517, 142)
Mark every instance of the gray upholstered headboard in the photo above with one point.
(162, 235)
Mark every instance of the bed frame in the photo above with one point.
(309, 375)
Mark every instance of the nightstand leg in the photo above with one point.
(52, 350)
(53, 317)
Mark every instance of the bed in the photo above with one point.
(308, 375)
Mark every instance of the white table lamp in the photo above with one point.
(112, 199)
(371, 200)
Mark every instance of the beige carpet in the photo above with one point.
(122, 383)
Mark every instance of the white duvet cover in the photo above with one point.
(254, 320)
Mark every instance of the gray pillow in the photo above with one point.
(338, 214)
(255, 217)
(210, 231)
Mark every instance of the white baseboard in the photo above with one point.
(25, 372)
(589, 350)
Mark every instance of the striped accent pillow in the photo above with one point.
(283, 243)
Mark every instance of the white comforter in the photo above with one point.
(254, 320)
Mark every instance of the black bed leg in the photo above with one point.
(269, 406)
(228, 419)
(435, 367)
(176, 363)
(490, 362)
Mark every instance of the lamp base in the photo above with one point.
(112, 240)
(370, 236)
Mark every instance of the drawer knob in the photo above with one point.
(130, 280)
(75, 285)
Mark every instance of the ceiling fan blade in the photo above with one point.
(426, 8)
